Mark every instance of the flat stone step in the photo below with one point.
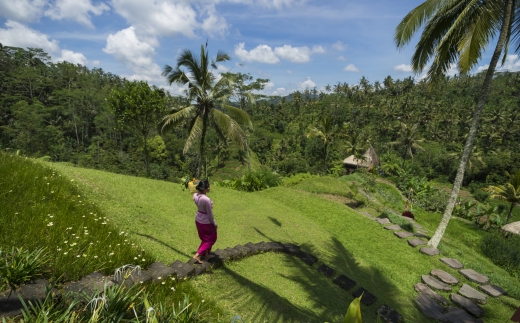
(10, 304)
(388, 314)
(308, 258)
(182, 270)
(344, 282)
(383, 221)
(473, 294)
(201, 268)
(222, 254)
(276, 246)
(453, 263)
(492, 290)
(159, 271)
(445, 277)
(403, 234)
(245, 250)
(424, 289)
(474, 276)
(458, 315)
(416, 242)
(422, 235)
(252, 247)
(326, 270)
(435, 283)
(262, 246)
(417, 226)
(96, 282)
(429, 307)
(467, 304)
(393, 227)
(234, 253)
(367, 298)
(430, 251)
(292, 249)
(34, 291)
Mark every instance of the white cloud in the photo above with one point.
(72, 57)
(512, 64)
(19, 35)
(338, 46)
(342, 58)
(289, 72)
(280, 92)
(96, 63)
(294, 54)
(22, 10)
(351, 68)
(76, 10)
(318, 49)
(214, 24)
(278, 4)
(136, 54)
(403, 68)
(269, 85)
(307, 84)
(261, 53)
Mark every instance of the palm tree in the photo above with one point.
(509, 192)
(327, 131)
(207, 97)
(458, 32)
(407, 139)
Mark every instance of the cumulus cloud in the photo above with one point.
(19, 35)
(22, 10)
(76, 10)
(342, 58)
(278, 4)
(338, 46)
(261, 53)
(268, 86)
(512, 64)
(351, 68)
(403, 68)
(281, 92)
(294, 54)
(307, 84)
(213, 24)
(136, 54)
(318, 49)
(72, 57)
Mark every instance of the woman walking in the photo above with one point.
(206, 224)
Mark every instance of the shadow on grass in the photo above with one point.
(275, 221)
(161, 242)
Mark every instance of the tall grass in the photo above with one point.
(42, 209)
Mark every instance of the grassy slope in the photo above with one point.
(280, 288)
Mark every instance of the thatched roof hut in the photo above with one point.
(369, 160)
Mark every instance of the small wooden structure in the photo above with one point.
(368, 161)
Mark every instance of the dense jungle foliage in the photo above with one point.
(61, 111)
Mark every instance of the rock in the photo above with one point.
(182, 270)
(451, 262)
(242, 252)
(276, 246)
(383, 221)
(403, 234)
(245, 250)
(252, 247)
(393, 227)
(201, 268)
(158, 269)
(416, 242)
(457, 315)
(10, 304)
(388, 314)
(492, 290)
(467, 304)
(292, 249)
(262, 246)
(96, 282)
(430, 251)
(445, 277)
(344, 282)
(367, 298)
(234, 253)
(429, 307)
(308, 258)
(473, 294)
(434, 283)
(422, 288)
(326, 270)
(222, 254)
(474, 276)
(35, 291)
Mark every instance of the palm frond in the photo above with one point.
(229, 127)
(195, 133)
(171, 120)
(239, 115)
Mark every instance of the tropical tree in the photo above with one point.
(509, 192)
(459, 32)
(326, 130)
(408, 139)
(207, 97)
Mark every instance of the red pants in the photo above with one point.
(208, 236)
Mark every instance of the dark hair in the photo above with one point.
(202, 185)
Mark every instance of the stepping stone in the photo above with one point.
(416, 242)
(368, 215)
(474, 276)
(388, 314)
(34, 291)
(445, 277)
(308, 258)
(434, 283)
(458, 315)
(383, 221)
(292, 249)
(222, 254)
(96, 282)
(472, 293)
(242, 251)
(182, 270)
(215, 260)
(429, 307)
(467, 304)
(492, 290)
(367, 298)
(393, 227)
(403, 234)
(234, 253)
(422, 235)
(451, 262)
(430, 251)
(252, 247)
(159, 271)
(417, 226)
(326, 270)
(262, 246)
(10, 304)
(344, 282)
(423, 289)
(276, 246)
(201, 268)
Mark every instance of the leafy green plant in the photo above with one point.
(503, 251)
(253, 181)
(20, 266)
(397, 219)
(114, 304)
(51, 309)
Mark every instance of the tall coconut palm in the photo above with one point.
(327, 130)
(207, 99)
(459, 32)
(509, 192)
(408, 139)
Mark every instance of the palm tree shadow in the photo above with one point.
(162, 243)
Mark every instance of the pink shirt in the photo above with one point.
(205, 209)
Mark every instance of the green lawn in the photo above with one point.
(277, 287)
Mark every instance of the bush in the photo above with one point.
(253, 181)
(503, 251)
(481, 196)
(19, 266)
(397, 219)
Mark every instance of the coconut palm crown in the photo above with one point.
(207, 99)
(509, 192)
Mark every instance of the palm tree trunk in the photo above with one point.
(468, 146)
(510, 211)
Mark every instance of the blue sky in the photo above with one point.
(296, 44)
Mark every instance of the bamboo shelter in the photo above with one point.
(368, 160)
